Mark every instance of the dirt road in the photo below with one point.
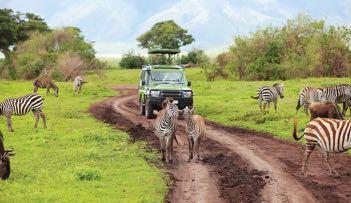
(238, 165)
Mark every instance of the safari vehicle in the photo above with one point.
(163, 78)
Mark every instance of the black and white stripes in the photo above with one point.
(267, 94)
(166, 126)
(78, 84)
(21, 106)
(331, 135)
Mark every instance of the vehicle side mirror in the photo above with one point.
(189, 83)
(143, 82)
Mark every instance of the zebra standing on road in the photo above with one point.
(195, 130)
(331, 135)
(45, 83)
(166, 126)
(307, 96)
(21, 106)
(269, 94)
(78, 84)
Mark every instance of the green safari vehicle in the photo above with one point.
(161, 80)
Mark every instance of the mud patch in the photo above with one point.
(237, 181)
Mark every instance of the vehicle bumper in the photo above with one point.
(182, 102)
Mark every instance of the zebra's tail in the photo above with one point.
(295, 130)
(256, 97)
(298, 104)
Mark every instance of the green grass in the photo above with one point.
(77, 159)
(229, 102)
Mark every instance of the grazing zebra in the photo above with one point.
(331, 135)
(269, 94)
(78, 84)
(45, 83)
(195, 130)
(21, 106)
(166, 126)
(307, 96)
(4, 159)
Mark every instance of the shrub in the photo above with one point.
(132, 61)
(196, 56)
(88, 174)
(70, 65)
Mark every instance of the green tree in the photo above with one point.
(15, 27)
(131, 60)
(165, 35)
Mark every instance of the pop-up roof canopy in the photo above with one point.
(164, 51)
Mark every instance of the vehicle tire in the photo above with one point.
(141, 108)
(148, 110)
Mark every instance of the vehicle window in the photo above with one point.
(167, 77)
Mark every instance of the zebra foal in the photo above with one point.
(331, 135)
(78, 84)
(268, 94)
(195, 130)
(45, 83)
(165, 126)
(21, 106)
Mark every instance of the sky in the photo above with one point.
(114, 25)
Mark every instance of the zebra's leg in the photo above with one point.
(198, 148)
(261, 105)
(35, 89)
(309, 148)
(326, 159)
(36, 116)
(275, 105)
(42, 115)
(306, 108)
(47, 91)
(168, 146)
(162, 146)
(9, 123)
(264, 106)
(190, 147)
(268, 105)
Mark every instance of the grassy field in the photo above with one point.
(229, 102)
(77, 159)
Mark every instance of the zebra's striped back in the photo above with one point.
(332, 135)
(22, 105)
(270, 93)
(338, 93)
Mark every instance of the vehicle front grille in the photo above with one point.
(171, 93)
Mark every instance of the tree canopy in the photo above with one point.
(16, 27)
(165, 35)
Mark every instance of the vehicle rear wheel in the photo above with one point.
(141, 108)
(148, 110)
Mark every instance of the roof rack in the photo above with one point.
(164, 51)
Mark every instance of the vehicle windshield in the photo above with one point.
(169, 77)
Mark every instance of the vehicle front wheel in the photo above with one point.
(149, 110)
(141, 108)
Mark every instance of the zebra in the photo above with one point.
(165, 126)
(331, 135)
(269, 94)
(45, 83)
(78, 84)
(21, 106)
(337, 94)
(4, 159)
(307, 96)
(195, 130)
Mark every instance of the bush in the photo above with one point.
(70, 65)
(88, 174)
(132, 61)
(196, 57)
(303, 47)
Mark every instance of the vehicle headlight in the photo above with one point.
(187, 94)
(155, 93)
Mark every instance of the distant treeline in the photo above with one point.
(303, 47)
